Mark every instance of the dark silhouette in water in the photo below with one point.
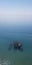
(16, 45)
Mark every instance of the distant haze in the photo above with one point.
(14, 12)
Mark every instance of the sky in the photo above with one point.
(15, 12)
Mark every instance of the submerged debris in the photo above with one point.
(16, 45)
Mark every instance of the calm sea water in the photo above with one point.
(16, 57)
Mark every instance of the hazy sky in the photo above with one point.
(15, 11)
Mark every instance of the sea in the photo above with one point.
(15, 57)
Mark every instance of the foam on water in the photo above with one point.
(5, 62)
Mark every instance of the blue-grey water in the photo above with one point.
(15, 57)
